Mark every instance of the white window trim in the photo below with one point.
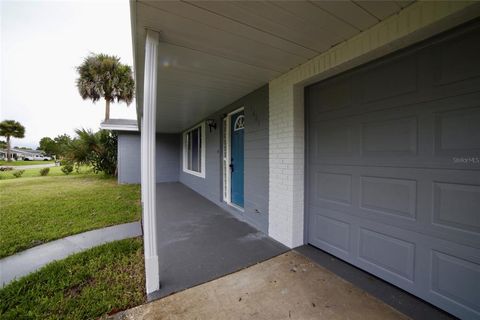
(200, 174)
(227, 158)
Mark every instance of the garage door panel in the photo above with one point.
(436, 202)
(333, 187)
(389, 137)
(376, 247)
(331, 233)
(391, 196)
(467, 277)
(393, 169)
(440, 134)
(391, 254)
(389, 79)
(457, 206)
(334, 140)
(414, 108)
(450, 67)
(373, 246)
(319, 113)
(457, 132)
(456, 59)
(411, 108)
(330, 98)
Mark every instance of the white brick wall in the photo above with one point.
(286, 124)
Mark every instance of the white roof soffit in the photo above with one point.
(214, 52)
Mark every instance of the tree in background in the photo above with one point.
(11, 128)
(47, 145)
(62, 144)
(3, 144)
(97, 149)
(57, 146)
(103, 76)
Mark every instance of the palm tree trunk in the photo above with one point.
(9, 153)
(107, 109)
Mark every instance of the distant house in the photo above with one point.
(19, 154)
(349, 126)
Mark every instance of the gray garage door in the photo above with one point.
(393, 169)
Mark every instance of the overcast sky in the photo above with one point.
(41, 44)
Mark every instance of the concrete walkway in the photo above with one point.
(25, 262)
(30, 166)
(289, 286)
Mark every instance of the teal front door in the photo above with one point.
(237, 161)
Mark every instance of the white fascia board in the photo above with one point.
(119, 127)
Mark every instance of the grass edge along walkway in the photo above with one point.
(28, 261)
(87, 285)
(38, 210)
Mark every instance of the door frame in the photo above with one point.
(227, 158)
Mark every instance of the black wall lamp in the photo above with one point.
(211, 124)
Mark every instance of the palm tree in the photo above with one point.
(103, 76)
(11, 128)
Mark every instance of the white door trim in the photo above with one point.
(227, 159)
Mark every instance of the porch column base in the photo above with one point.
(152, 273)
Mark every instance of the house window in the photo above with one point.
(194, 150)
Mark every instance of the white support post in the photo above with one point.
(148, 164)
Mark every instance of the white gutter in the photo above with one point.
(119, 127)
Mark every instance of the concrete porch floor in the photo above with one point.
(289, 286)
(199, 241)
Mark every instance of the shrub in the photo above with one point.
(67, 169)
(6, 168)
(18, 174)
(96, 149)
(44, 171)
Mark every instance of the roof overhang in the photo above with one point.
(213, 53)
(119, 125)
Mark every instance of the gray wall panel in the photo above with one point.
(256, 160)
(167, 153)
(128, 157)
(168, 157)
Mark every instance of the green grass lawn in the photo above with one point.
(40, 209)
(87, 285)
(54, 171)
(22, 163)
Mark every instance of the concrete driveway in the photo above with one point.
(289, 286)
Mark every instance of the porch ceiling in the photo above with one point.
(212, 53)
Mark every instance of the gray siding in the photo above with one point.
(167, 153)
(128, 157)
(168, 157)
(256, 160)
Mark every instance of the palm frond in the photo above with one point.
(103, 76)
